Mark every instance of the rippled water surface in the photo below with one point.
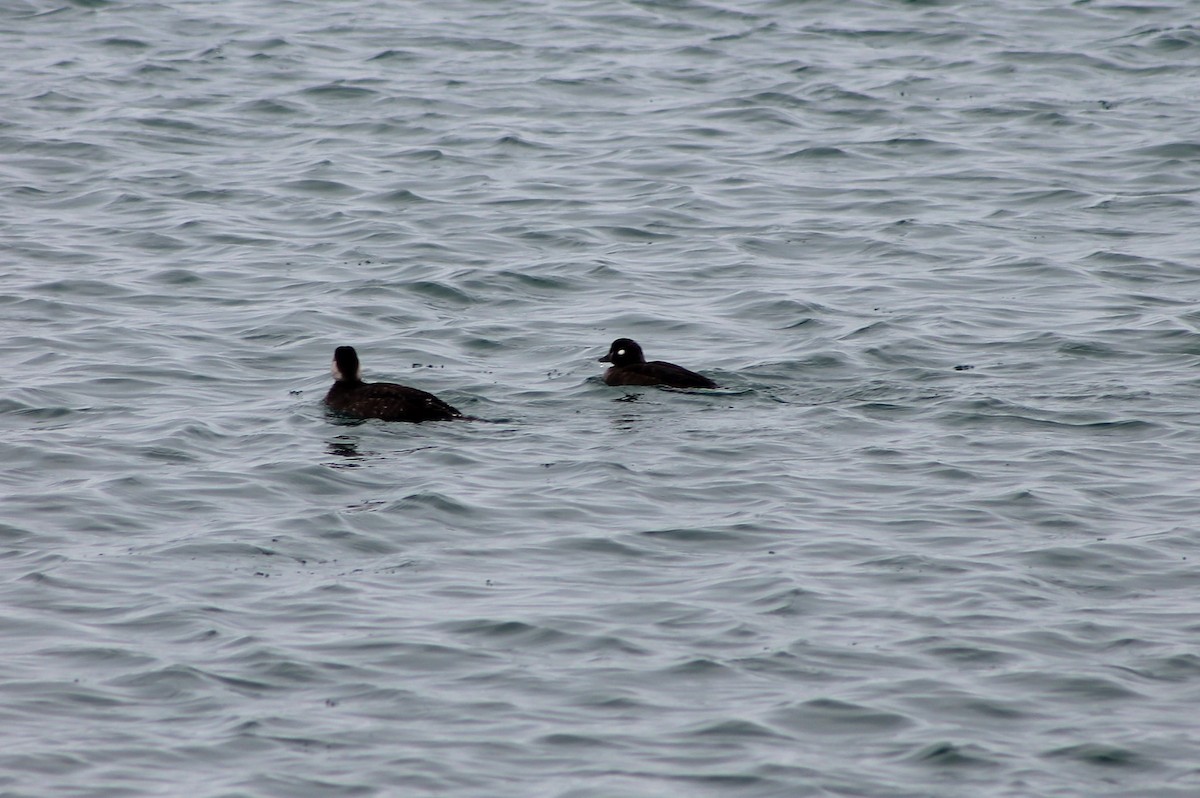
(935, 536)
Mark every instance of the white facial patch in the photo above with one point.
(337, 373)
(620, 352)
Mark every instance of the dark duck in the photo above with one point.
(629, 367)
(388, 401)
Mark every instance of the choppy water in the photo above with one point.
(937, 537)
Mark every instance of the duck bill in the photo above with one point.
(606, 359)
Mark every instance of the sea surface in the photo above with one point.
(938, 533)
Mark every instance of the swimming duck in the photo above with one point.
(629, 367)
(388, 401)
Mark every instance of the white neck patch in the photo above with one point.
(337, 373)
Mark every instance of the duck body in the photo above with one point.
(629, 367)
(387, 401)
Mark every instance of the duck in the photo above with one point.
(629, 367)
(387, 401)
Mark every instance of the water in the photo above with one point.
(936, 536)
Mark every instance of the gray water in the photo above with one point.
(936, 535)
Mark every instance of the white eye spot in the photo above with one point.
(620, 351)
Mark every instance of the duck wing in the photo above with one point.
(390, 402)
(676, 376)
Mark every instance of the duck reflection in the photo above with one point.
(346, 448)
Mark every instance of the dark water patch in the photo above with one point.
(177, 277)
(45, 764)
(438, 503)
(1144, 203)
(597, 546)
(755, 116)
(415, 657)
(790, 601)
(916, 564)
(441, 292)
(979, 712)
(1128, 267)
(782, 664)
(516, 143)
(815, 154)
(700, 669)
(830, 716)
(692, 535)
(950, 755)
(735, 730)
(320, 188)
(965, 655)
(55, 100)
(392, 54)
(524, 283)
(264, 44)
(81, 287)
(998, 414)
(12, 534)
(1093, 557)
(1102, 755)
(1050, 198)
(510, 633)
(1072, 690)
(29, 193)
(421, 154)
(1063, 64)
(1179, 668)
(398, 198)
(633, 234)
(36, 413)
(1182, 39)
(201, 132)
(779, 99)
(270, 107)
(156, 242)
(576, 741)
(1185, 151)
(161, 684)
(911, 145)
(204, 549)
(124, 43)
(339, 91)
